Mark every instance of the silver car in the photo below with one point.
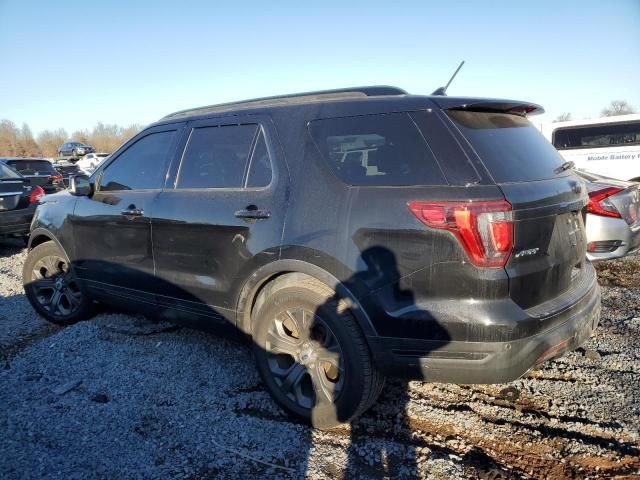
(613, 217)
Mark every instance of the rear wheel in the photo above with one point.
(52, 287)
(311, 354)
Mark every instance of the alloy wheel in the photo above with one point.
(54, 286)
(305, 358)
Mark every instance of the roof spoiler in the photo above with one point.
(513, 107)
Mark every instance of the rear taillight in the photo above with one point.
(483, 228)
(599, 203)
(36, 194)
(55, 177)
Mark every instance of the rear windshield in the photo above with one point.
(6, 172)
(380, 150)
(510, 147)
(31, 166)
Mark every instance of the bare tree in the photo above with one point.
(81, 136)
(8, 138)
(19, 142)
(106, 138)
(49, 141)
(563, 117)
(27, 146)
(617, 107)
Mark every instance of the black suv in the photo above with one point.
(74, 149)
(352, 234)
(18, 202)
(38, 171)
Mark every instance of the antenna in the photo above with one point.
(443, 90)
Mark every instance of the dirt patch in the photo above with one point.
(624, 272)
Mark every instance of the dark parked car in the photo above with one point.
(18, 202)
(74, 149)
(67, 170)
(38, 171)
(352, 234)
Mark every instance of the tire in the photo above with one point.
(52, 288)
(327, 376)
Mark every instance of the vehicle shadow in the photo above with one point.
(365, 458)
(368, 456)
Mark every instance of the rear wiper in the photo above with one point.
(565, 166)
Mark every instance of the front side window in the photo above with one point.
(381, 150)
(142, 166)
(596, 136)
(216, 157)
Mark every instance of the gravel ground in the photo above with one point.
(122, 397)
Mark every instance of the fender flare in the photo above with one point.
(263, 275)
(43, 232)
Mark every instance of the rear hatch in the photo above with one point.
(39, 172)
(548, 200)
(12, 189)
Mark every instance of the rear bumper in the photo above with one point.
(469, 361)
(606, 229)
(17, 222)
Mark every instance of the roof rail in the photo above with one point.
(291, 99)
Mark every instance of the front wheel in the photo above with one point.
(52, 287)
(311, 354)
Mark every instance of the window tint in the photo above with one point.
(142, 166)
(260, 167)
(595, 136)
(510, 147)
(216, 157)
(377, 150)
(31, 167)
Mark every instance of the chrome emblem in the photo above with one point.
(527, 253)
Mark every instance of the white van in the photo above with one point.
(608, 146)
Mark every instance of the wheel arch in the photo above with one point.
(268, 273)
(41, 235)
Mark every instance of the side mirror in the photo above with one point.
(80, 186)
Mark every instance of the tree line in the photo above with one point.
(616, 107)
(19, 141)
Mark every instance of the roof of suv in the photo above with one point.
(357, 94)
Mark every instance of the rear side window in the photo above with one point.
(260, 167)
(510, 147)
(382, 150)
(596, 136)
(31, 167)
(142, 166)
(216, 157)
(6, 172)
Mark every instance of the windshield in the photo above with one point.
(511, 148)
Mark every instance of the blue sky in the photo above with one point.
(71, 64)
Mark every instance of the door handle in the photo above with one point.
(252, 213)
(132, 211)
